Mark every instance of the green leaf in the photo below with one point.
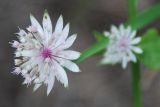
(132, 5)
(99, 36)
(145, 17)
(97, 47)
(150, 45)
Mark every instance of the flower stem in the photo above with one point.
(136, 85)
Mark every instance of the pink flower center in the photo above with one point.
(46, 53)
(124, 43)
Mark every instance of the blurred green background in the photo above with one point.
(95, 86)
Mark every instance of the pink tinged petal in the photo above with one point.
(124, 62)
(51, 80)
(15, 44)
(21, 32)
(136, 41)
(32, 29)
(137, 50)
(27, 80)
(17, 71)
(36, 87)
(69, 42)
(60, 74)
(47, 24)
(68, 54)
(36, 24)
(59, 25)
(69, 65)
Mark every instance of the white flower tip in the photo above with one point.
(124, 66)
(106, 33)
(31, 15)
(66, 86)
(48, 92)
(121, 26)
(61, 17)
(45, 11)
(78, 55)
(46, 15)
(67, 25)
(32, 29)
(15, 44)
(75, 36)
(17, 71)
(78, 71)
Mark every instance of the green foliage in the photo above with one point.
(150, 45)
(145, 17)
(94, 49)
(132, 4)
(99, 36)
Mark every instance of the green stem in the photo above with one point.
(136, 85)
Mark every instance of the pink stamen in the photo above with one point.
(124, 43)
(46, 53)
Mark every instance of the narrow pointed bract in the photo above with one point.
(41, 53)
(122, 46)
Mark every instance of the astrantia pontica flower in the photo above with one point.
(41, 53)
(122, 46)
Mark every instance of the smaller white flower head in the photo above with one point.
(41, 53)
(122, 46)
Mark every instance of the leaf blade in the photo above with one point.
(146, 17)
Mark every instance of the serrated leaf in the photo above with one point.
(150, 45)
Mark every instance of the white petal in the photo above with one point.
(51, 80)
(68, 54)
(124, 62)
(136, 41)
(114, 30)
(59, 25)
(69, 65)
(133, 34)
(36, 87)
(106, 33)
(28, 53)
(47, 24)
(63, 35)
(132, 56)
(65, 31)
(21, 32)
(60, 74)
(122, 30)
(128, 31)
(137, 50)
(36, 24)
(69, 41)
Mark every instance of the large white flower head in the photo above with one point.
(42, 53)
(122, 46)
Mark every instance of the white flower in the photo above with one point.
(121, 47)
(41, 53)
